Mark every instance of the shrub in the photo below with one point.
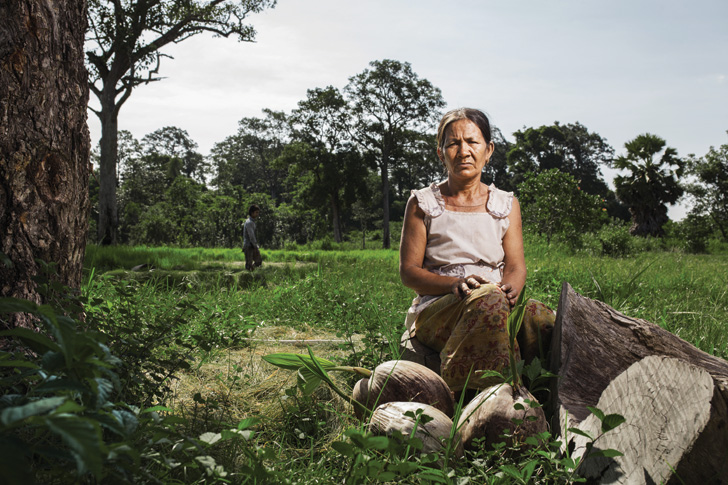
(615, 239)
(552, 204)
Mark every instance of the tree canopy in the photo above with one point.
(390, 102)
(652, 182)
(710, 193)
(123, 51)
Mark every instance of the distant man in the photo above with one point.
(250, 243)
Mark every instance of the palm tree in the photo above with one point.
(651, 184)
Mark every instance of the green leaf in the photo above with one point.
(247, 423)
(294, 361)
(512, 471)
(580, 433)
(61, 384)
(16, 305)
(14, 414)
(308, 381)
(38, 342)
(610, 453)
(83, 437)
(344, 449)
(377, 442)
(104, 389)
(19, 363)
(596, 412)
(611, 421)
(155, 409)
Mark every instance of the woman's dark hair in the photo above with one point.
(252, 209)
(474, 115)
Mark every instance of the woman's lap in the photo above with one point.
(471, 333)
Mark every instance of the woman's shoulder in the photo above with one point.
(430, 200)
(500, 202)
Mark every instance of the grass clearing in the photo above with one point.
(353, 305)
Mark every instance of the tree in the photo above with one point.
(651, 183)
(125, 38)
(388, 102)
(710, 195)
(553, 204)
(44, 147)
(176, 143)
(245, 159)
(570, 148)
(324, 153)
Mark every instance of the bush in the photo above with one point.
(615, 239)
(553, 204)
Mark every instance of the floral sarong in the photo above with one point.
(472, 333)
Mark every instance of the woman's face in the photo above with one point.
(465, 152)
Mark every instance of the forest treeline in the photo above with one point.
(341, 165)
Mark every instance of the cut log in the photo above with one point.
(415, 351)
(592, 344)
(675, 430)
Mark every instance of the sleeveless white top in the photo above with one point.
(463, 243)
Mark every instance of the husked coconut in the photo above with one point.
(391, 416)
(494, 409)
(402, 380)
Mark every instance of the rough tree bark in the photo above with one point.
(593, 344)
(44, 143)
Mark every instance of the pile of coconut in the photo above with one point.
(397, 389)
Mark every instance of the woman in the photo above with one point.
(462, 252)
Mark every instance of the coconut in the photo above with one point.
(493, 411)
(391, 416)
(402, 380)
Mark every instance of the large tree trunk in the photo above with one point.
(592, 344)
(44, 143)
(648, 221)
(592, 347)
(108, 212)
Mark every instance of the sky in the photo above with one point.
(621, 67)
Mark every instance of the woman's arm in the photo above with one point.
(514, 272)
(412, 255)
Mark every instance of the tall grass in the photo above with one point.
(215, 307)
(359, 291)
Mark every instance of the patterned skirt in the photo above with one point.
(471, 334)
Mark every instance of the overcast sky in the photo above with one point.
(619, 67)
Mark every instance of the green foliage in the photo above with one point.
(570, 148)
(552, 204)
(391, 107)
(650, 184)
(710, 193)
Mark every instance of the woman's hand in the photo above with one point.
(510, 292)
(464, 286)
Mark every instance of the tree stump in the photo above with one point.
(675, 430)
(592, 344)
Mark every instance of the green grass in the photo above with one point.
(359, 291)
(205, 300)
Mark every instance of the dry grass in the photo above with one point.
(237, 384)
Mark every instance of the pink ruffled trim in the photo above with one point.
(500, 202)
(434, 206)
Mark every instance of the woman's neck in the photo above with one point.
(468, 197)
(471, 189)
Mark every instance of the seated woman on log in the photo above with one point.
(462, 252)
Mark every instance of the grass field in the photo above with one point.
(352, 304)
